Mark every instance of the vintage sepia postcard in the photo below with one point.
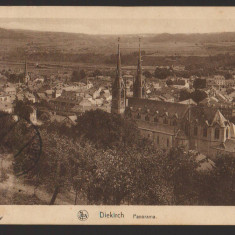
(117, 115)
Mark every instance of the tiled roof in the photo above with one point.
(189, 101)
(160, 107)
(219, 118)
(207, 114)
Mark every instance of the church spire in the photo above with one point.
(25, 72)
(117, 88)
(25, 68)
(139, 68)
(138, 86)
(118, 71)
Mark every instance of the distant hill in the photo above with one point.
(11, 34)
(203, 38)
(74, 47)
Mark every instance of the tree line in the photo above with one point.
(104, 160)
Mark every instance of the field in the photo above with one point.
(67, 51)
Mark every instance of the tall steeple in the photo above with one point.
(118, 105)
(25, 71)
(26, 76)
(119, 70)
(138, 85)
(25, 68)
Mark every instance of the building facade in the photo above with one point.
(169, 124)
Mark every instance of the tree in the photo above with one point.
(222, 182)
(169, 82)
(97, 73)
(23, 108)
(184, 95)
(128, 176)
(53, 169)
(15, 78)
(147, 74)
(106, 130)
(82, 74)
(78, 75)
(162, 73)
(198, 95)
(228, 75)
(199, 83)
(180, 169)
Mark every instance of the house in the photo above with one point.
(6, 107)
(4, 97)
(166, 98)
(49, 93)
(180, 83)
(217, 81)
(99, 101)
(156, 85)
(30, 97)
(10, 90)
(96, 93)
(189, 101)
(39, 80)
(33, 116)
(41, 96)
(229, 82)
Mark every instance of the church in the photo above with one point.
(169, 124)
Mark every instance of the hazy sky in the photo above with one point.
(120, 20)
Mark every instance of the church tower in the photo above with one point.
(118, 94)
(138, 83)
(26, 76)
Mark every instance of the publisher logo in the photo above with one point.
(83, 215)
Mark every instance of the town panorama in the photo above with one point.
(108, 120)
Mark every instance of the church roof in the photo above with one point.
(158, 107)
(209, 115)
(219, 118)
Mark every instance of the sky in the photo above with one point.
(120, 20)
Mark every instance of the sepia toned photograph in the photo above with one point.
(117, 106)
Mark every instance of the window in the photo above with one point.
(165, 121)
(138, 116)
(195, 130)
(167, 142)
(147, 118)
(204, 132)
(174, 123)
(216, 133)
(227, 133)
(155, 119)
(158, 139)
